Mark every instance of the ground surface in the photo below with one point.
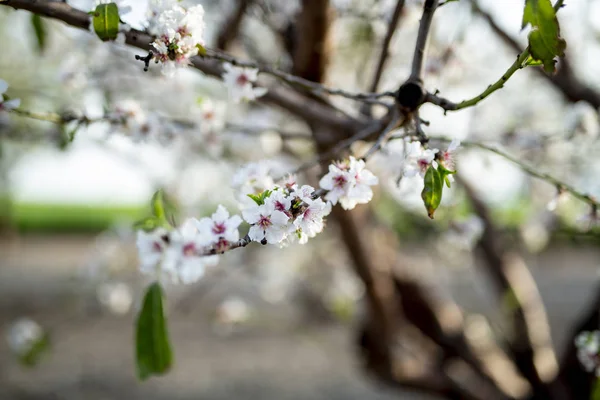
(283, 357)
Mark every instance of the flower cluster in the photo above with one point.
(239, 82)
(23, 335)
(179, 33)
(5, 103)
(253, 178)
(277, 214)
(183, 254)
(283, 214)
(348, 183)
(588, 350)
(418, 158)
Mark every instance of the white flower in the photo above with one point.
(220, 230)
(252, 178)
(151, 246)
(447, 156)
(267, 223)
(349, 183)
(304, 193)
(129, 118)
(177, 255)
(179, 32)
(212, 116)
(588, 347)
(281, 202)
(239, 83)
(418, 159)
(290, 183)
(310, 221)
(7, 104)
(23, 335)
(336, 181)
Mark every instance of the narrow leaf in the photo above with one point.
(37, 350)
(153, 350)
(596, 390)
(545, 43)
(39, 28)
(157, 204)
(432, 191)
(106, 21)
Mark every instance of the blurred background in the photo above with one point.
(271, 323)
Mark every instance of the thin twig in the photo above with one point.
(297, 81)
(499, 84)
(592, 201)
(385, 46)
(256, 130)
(362, 134)
(394, 120)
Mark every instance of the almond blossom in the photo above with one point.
(220, 230)
(418, 159)
(252, 178)
(588, 350)
(179, 35)
(177, 255)
(269, 225)
(310, 221)
(349, 183)
(239, 82)
(5, 103)
(23, 335)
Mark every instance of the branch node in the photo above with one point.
(146, 60)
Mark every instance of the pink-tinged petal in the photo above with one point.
(275, 235)
(259, 91)
(252, 215)
(11, 104)
(233, 222)
(347, 204)
(256, 233)
(3, 86)
(367, 178)
(332, 197)
(454, 144)
(279, 218)
(221, 214)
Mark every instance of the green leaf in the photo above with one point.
(153, 350)
(37, 350)
(148, 224)
(201, 49)
(106, 21)
(596, 390)
(260, 198)
(163, 208)
(39, 28)
(432, 192)
(545, 43)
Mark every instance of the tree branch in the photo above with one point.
(499, 84)
(301, 106)
(572, 376)
(422, 39)
(530, 343)
(231, 26)
(592, 201)
(385, 46)
(564, 80)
